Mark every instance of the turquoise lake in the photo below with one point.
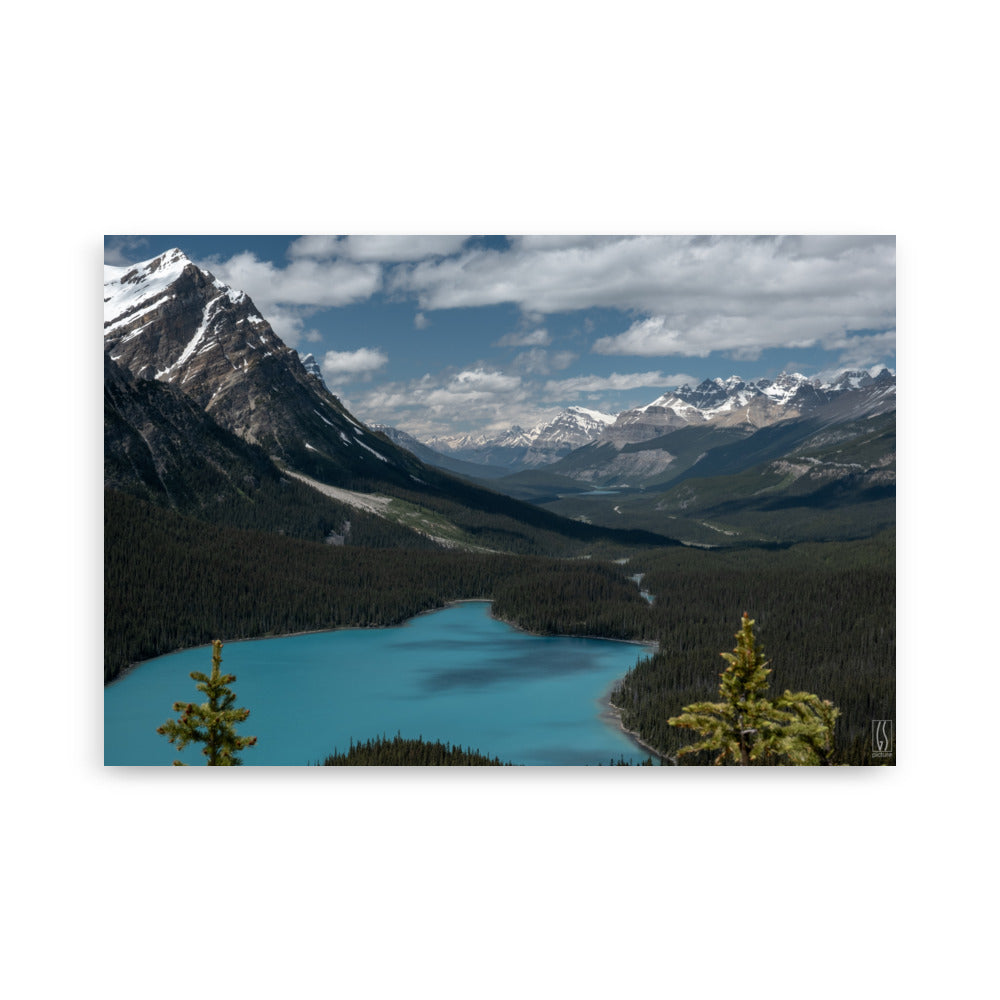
(455, 675)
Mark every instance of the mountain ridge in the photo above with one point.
(718, 402)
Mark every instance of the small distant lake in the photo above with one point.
(455, 675)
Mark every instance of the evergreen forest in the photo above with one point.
(825, 612)
(826, 617)
(399, 752)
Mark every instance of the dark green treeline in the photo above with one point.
(397, 752)
(826, 617)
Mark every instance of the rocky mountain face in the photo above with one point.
(716, 429)
(573, 428)
(714, 403)
(169, 321)
(311, 365)
(751, 405)
(160, 445)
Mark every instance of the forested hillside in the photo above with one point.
(826, 616)
(172, 581)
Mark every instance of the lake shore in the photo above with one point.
(610, 713)
(613, 716)
(651, 646)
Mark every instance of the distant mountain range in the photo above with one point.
(729, 461)
(518, 448)
(655, 443)
(733, 402)
(641, 447)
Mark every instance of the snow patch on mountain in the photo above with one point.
(576, 425)
(127, 289)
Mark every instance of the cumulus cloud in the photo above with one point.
(473, 384)
(485, 400)
(287, 322)
(745, 336)
(650, 337)
(475, 397)
(344, 366)
(421, 322)
(375, 248)
(693, 295)
(863, 351)
(541, 362)
(287, 296)
(304, 282)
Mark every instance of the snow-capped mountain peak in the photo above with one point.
(782, 389)
(593, 415)
(575, 424)
(734, 401)
(518, 448)
(311, 365)
(127, 289)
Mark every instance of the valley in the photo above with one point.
(244, 500)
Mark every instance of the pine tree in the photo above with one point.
(808, 739)
(746, 726)
(213, 722)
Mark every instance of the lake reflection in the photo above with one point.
(454, 675)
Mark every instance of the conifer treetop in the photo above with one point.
(213, 722)
(747, 725)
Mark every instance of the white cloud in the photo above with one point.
(649, 337)
(344, 366)
(612, 383)
(322, 247)
(694, 294)
(541, 362)
(421, 322)
(288, 296)
(375, 248)
(287, 323)
(472, 398)
(476, 383)
(745, 331)
(863, 351)
(529, 338)
(303, 282)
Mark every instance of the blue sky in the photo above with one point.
(448, 334)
